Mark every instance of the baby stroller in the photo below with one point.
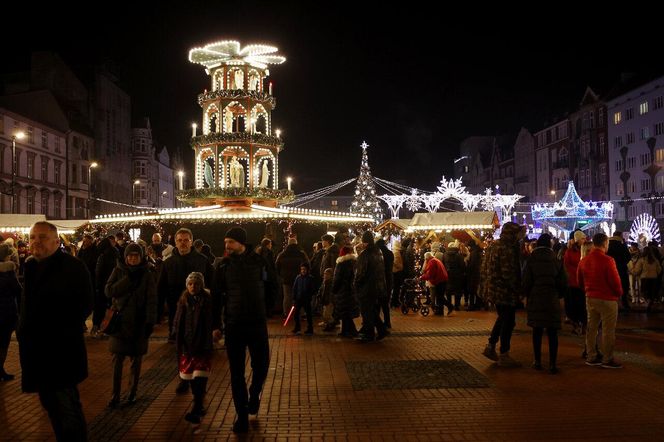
(414, 296)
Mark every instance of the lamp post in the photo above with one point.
(133, 190)
(278, 133)
(92, 165)
(20, 136)
(163, 195)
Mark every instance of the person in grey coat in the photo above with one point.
(545, 284)
(133, 290)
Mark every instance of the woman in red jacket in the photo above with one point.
(436, 276)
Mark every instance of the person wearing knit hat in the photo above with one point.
(132, 290)
(193, 340)
(368, 237)
(239, 281)
(371, 289)
(237, 234)
(133, 248)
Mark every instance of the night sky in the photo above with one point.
(412, 84)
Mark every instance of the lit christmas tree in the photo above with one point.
(365, 202)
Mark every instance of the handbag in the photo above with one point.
(111, 322)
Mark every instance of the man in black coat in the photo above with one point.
(272, 281)
(388, 260)
(620, 254)
(370, 287)
(57, 299)
(239, 286)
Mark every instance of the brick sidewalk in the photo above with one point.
(427, 381)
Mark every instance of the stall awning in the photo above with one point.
(440, 221)
(397, 223)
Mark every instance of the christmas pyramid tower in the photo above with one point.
(366, 202)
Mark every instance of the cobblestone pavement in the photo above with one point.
(431, 383)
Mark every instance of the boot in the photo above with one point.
(241, 424)
(490, 352)
(182, 387)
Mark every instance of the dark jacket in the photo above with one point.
(288, 263)
(544, 284)
(388, 259)
(329, 260)
(473, 267)
(343, 290)
(57, 298)
(10, 292)
(456, 270)
(501, 268)
(106, 261)
(239, 286)
(370, 275)
(270, 267)
(174, 272)
(408, 255)
(303, 288)
(134, 292)
(89, 256)
(316, 263)
(620, 254)
(194, 324)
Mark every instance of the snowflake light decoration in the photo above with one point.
(644, 229)
(413, 203)
(394, 202)
(230, 52)
(452, 188)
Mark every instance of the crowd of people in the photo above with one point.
(129, 287)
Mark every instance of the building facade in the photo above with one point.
(152, 176)
(636, 150)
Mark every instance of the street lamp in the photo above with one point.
(133, 189)
(181, 176)
(193, 129)
(163, 195)
(289, 180)
(278, 133)
(92, 165)
(18, 135)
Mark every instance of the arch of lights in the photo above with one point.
(451, 189)
(571, 212)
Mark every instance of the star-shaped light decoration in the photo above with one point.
(230, 52)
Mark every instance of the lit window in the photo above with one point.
(643, 108)
(617, 118)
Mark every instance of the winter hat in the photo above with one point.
(133, 248)
(238, 234)
(579, 235)
(428, 255)
(198, 276)
(5, 251)
(368, 237)
(327, 237)
(545, 240)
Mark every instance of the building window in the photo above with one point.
(631, 185)
(44, 139)
(643, 108)
(600, 123)
(659, 128)
(658, 103)
(2, 124)
(139, 168)
(631, 162)
(31, 135)
(84, 175)
(645, 159)
(31, 202)
(630, 137)
(632, 212)
(57, 203)
(592, 119)
(660, 182)
(602, 174)
(645, 133)
(56, 173)
(74, 174)
(619, 189)
(334, 203)
(659, 155)
(44, 202)
(617, 142)
(645, 185)
(57, 144)
(44, 169)
(619, 165)
(629, 113)
(31, 165)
